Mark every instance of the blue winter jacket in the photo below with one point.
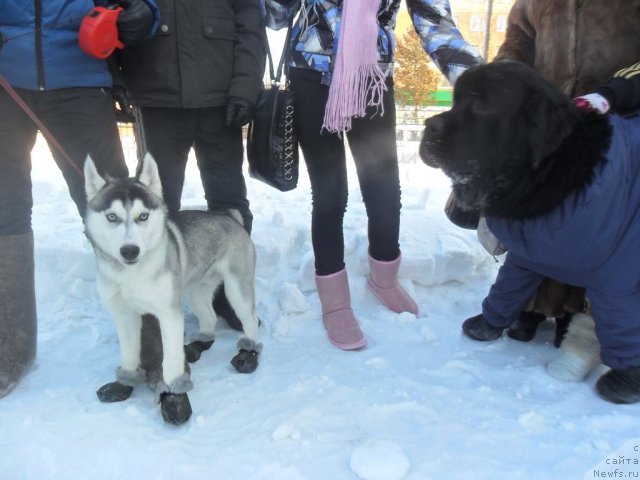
(591, 240)
(314, 37)
(41, 50)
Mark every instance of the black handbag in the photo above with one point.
(272, 143)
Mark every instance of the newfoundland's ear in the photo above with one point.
(551, 120)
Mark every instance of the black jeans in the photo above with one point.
(169, 134)
(372, 141)
(82, 120)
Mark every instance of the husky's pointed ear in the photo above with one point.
(93, 182)
(148, 174)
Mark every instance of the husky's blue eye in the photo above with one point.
(143, 216)
(112, 217)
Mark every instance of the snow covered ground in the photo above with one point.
(419, 402)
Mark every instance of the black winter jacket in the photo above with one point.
(202, 53)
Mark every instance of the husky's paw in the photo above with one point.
(193, 350)
(114, 392)
(175, 408)
(246, 361)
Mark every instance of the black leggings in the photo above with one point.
(372, 142)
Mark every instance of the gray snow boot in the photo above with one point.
(18, 324)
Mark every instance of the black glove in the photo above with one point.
(622, 91)
(124, 110)
(134, 22)
(239, 112)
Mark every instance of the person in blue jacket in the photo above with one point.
(337, 46)
(69, 91)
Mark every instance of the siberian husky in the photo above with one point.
(147, 261)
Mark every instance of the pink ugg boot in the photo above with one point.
(337, 315)
(383, 282)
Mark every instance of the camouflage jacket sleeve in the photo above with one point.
(278, 12)
(440, 37)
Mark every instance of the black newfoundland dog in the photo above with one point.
(560, 188)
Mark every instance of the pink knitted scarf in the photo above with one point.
(357, 81)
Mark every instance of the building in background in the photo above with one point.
(471, 19)
(487, 36)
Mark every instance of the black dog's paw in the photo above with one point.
(246, 361)
(478, 328)
(193, 350)
(525, 327)
(175, 408)
(114, 392)
(620, 386)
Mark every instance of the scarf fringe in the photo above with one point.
(357, 81)
(350, 93)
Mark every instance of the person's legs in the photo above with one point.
(18, 320)
(17, 138)
(169, 134)
(325, 159)
(373, 143)
(324, 156)
(83, 122)
(220, 155)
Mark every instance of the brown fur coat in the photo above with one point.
(575, 44)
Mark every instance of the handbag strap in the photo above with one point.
(284, 57)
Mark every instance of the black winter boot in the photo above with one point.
(525, 327)
(478, 328)
(620, 386)
(223, 309)
(18, 322)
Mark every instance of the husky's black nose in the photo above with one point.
(129, 252)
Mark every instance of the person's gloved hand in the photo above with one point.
(239, 112)
(593, 102)
(134, 22)
(124, 110)
(622, 91)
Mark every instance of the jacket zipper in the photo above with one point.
(176, 30)
(38, 44)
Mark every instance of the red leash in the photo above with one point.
(45, 131)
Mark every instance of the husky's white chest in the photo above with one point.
(141, 287)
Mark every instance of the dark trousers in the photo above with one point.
(169, 135)
(372, 141)
(82, 120)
